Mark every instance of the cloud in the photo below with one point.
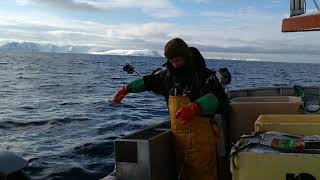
(69, 4)
(154, 8)
(264, 49)
(40, 28)
(202, 1)
(276, 1)
(248, 30)
(241, 31)
(149, 31)
(216, 14)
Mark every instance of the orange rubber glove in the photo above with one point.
(188, 112)
(121, 93)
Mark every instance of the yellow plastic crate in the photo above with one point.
(305, 125)
(274, 166)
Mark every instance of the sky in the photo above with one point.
(226, 29)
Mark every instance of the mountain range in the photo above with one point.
(28, 47)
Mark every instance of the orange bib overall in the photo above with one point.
(195, 144)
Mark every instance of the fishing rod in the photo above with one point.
(130, 69)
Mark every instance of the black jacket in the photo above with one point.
(194, 83)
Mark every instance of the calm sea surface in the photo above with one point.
(55, 109)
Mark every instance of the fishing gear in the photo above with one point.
(224, 76)
(310, 97)
(130, 69)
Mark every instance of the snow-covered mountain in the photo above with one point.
(25, 46)
(34, 47)
(124, 52)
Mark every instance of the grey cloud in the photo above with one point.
(154, 9)
(68, 4)
(201, 1)
(276, 48)
(154, 37)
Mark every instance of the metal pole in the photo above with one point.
(297, 7)
(316, 4)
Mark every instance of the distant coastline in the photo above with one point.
(31, 47)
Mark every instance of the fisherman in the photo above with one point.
(194, 95)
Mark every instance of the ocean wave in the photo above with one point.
(98, 149)
(16, 124)
(66, 120)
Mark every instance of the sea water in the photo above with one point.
(55, 109)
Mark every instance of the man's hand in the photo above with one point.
(188, 112)
(121, 93)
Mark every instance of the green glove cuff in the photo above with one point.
(208, 104)
(136, 86)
